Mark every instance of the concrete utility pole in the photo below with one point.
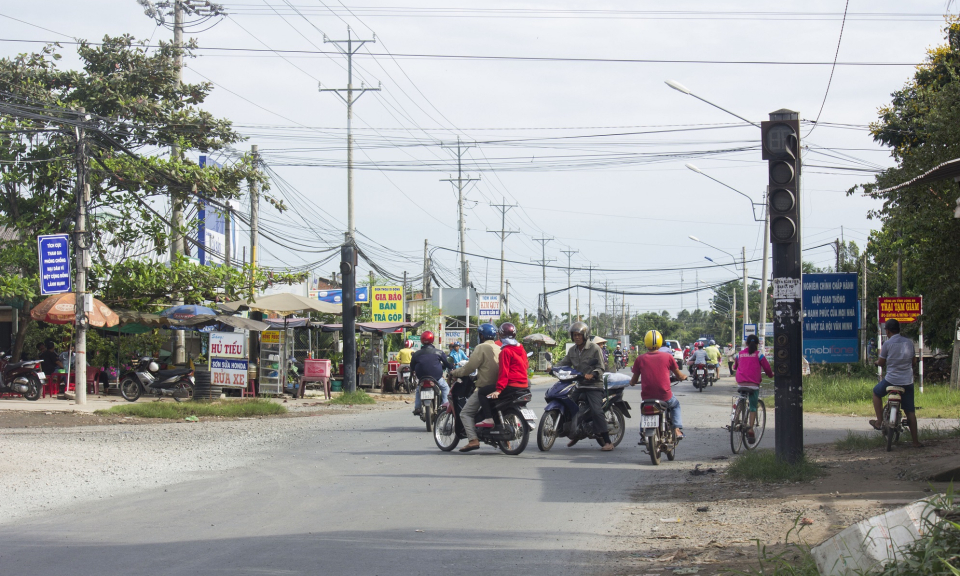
(81, 239)
(569, 254)
(459, 182)
(543, 263)
(254, 187)
(761, 329)
(590, 293)
(746, 299)
(426, 270)
(353, 45)
(503, 232)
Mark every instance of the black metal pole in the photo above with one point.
(348, 268)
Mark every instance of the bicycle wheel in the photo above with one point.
(759, 426)
(737, 427)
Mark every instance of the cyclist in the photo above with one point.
(713, 357)
(898, 357)
(587, 358)
(653, 370)
(748, 363)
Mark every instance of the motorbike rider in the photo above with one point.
(404, 356)
(713, 356)
(587, 358)
(699, 355)
(428, 362)
(618, 356)
(485, 360)
(513, 369)
(653, 370)
(457, 355)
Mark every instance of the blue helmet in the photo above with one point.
(487, 332)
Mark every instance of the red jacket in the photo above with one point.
(513, 367)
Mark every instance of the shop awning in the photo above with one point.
(382, 327)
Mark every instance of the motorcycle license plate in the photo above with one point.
(426, 394)
(650, 422)
(700, 372)
(528, 414)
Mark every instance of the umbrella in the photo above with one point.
(62, 309)
(145, 319)
(204, 320)
(283, 304)
(186, 311)
(539, 339)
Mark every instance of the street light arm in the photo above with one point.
(753, 204)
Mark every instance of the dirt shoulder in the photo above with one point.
(708, 523)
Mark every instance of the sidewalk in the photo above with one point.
(52, 404)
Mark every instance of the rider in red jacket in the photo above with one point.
(513, 369)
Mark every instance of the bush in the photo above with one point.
(180, 410)
(764, 466)
(355, 397)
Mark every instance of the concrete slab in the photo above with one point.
(946, 469)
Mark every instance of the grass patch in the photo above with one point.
(842, 394)
(178, 411)
(764, 466)
(355, 397)
(869, 440)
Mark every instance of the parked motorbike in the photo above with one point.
(658, 430)
(24, 377)
(699, 376)
(564, 417)
(429, 392)
(147, 377)
(513, 420)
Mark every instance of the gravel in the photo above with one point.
(42, 469)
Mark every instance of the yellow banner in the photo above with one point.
(387, 303)
(270, 337)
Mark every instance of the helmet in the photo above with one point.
(712, 343)
(152, 366)
(653, 340)
(580, 328)
(426, 337)
(697, 345)
(487, 332)
(408, 343)
(508, 330)
(458, 343)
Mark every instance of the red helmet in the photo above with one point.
(408, 343)
(508, 330)
(426, 337)
(698, 345)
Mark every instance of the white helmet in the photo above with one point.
(153, 366)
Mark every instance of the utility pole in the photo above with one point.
(426, 271)
(506, 298)
(606, 306)
(623, 313)
(543, 263)
(253, 187)
(227, 235)
(82, 238)
(590, 294)
(746, 298)
(569, 254)
(459, 182)
(762, 328)
(503, 232)
(353, 45)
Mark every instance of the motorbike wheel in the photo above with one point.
(130, 389)
(183, 391)
(445, 431)
(671, 441)
(701, 385)
(513, 420)
(653, 447)
(547, 430)
(428, 415)
(34, 388)
(616, 421)
(890, 429)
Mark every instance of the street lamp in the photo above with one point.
(746, 298)
(753, 204)
(681, 88)
(733, 313)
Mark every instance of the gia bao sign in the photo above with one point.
(831, 318)
(386, 304)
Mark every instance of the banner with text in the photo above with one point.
(228, 372)
(488, 306)
(336, 296)
(831, 320)
(227, 345)
(54, 252)
(386, 304)
(904, 309)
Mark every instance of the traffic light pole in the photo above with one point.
(781, 146)
(348, 268)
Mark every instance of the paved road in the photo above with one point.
(370, 494)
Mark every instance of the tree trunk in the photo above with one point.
(955, 364)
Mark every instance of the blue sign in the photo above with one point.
(54, 253)
(831, 317)
(336, 296)
(211, 228)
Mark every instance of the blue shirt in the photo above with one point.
(458, 356)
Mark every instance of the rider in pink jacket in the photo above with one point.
(748, 364)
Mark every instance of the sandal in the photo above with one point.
(470, 448)
(876, 425)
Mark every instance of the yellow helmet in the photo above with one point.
(653, 340)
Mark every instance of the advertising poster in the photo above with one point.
(228, 372)
(54, 252)
(904, 309)
(488, 306)
(386, 304)
(830, 318)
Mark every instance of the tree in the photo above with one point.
(134, 104)
(920, 125)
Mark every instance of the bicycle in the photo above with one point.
(739, 419)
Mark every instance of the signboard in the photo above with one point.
(228, 372)
(488, 306)
(387, 304)
(227, 345)
(904, 309)
(830, 318)
(451, 336)
(768, 330)
(270, 337)
(749, 330)
(336, 296)
(54, 253)
(211, 228)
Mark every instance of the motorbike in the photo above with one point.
(405, 380)
(711, 374)
(24, 378)
(146, 376)
(657, 429)
(699, 376)
(564, 417)
(429, 392)
(513, 420)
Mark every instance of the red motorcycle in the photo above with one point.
(699, 374)
(24, 378)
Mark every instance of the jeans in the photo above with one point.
(907, 402)
(444, 391)
(674, 406)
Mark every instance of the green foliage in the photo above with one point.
(179, 410)
(920, 125)
(937, 551)
(355, 397)
(843, 394)
(764, 466)
(867, 440)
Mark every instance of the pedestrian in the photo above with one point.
(730, 353)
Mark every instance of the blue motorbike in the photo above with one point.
(564, 417)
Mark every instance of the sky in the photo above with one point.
(566, 115)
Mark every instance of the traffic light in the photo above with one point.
(781, 146)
